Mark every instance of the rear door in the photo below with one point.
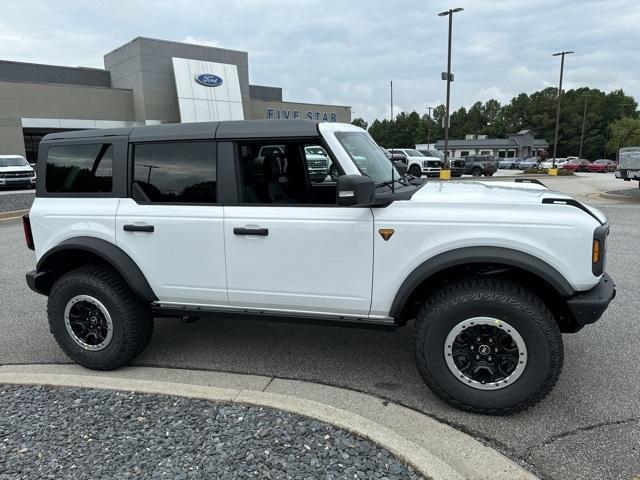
(171, 225)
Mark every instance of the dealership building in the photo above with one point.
(144, 82)
(522, 144)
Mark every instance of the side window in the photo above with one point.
(285, 173)
(84, 168)
(175, 172)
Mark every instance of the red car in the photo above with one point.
(577, 165)
(602, 165)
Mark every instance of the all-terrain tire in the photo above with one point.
(415, 171)
(476, 172)
(501, 299)
(131, 317)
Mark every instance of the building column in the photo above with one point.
(11, 137)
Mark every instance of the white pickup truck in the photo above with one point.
(629, 164)
(192, 220)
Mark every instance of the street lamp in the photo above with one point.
(555, 138)
(429, 126)
(584, 121)
(446, 172)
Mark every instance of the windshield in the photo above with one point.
(602, 161)
(13, 162)
(435, 153)
(367, 155)
(316, 151)
(413, 153)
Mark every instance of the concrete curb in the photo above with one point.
(12, 215)
(432, 448)
(622, 198)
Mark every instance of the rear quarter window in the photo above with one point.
(86, 168)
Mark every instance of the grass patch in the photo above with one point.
(561, 172)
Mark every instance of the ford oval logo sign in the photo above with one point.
(209, 80)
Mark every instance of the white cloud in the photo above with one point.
(328, 50)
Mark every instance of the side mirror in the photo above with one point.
(355, 191)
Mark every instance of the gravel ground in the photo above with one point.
(20, 200)
(91, 434)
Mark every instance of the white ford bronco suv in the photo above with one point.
(182, 220)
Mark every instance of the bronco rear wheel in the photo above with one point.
(488, 346)
(96, 320)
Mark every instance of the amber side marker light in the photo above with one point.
(595, 254)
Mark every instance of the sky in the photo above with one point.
(346, 52)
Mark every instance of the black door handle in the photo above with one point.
(263, 232)
(138, 228)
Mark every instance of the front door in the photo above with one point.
(172, 227)
(289, 247)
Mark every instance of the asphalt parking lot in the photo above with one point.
(588, 428)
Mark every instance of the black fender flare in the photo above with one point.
(108, 252)
(469, 255)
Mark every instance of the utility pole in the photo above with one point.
(584, 118)
(448, 77)
(555, 138)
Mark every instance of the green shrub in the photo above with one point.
(561, 171)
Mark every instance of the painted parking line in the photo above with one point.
(6, 216)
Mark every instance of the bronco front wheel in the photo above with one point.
(488, 346)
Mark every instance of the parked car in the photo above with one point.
(577, 165)
(548, 163)
(122, 235)
(398, 162)
(629, 164)
(603, 165)
(478, 165)
(531, 162)
(456, 164)
(318, 162)
(417, 163)
(15, 171)
(510, 163)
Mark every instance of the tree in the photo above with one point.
(360, 122)
(535, 112)
(624, 133)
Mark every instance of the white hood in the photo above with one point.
(22, 168)
(489, 192)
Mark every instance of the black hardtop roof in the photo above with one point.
(199, 130)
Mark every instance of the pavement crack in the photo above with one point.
(268, 384)
(586, 428)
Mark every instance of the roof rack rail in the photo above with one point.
(573, 203)
(529, 180)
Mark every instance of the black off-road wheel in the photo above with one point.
(96, 319)
(488, 345)
(476, 172)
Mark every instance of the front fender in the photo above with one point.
(469, 255)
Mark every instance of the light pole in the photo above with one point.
(584, 120)
(555, 138)
(429, 126)
(391, 88)
(446, 172)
